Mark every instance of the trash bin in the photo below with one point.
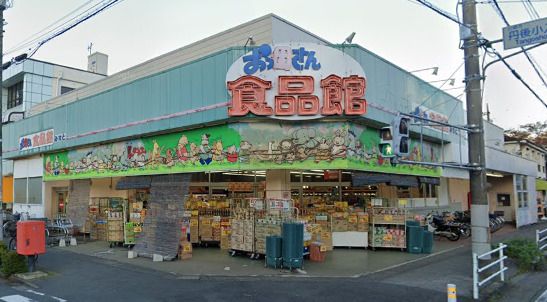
(274, 251)
(293, 245)
(415, 239)
(427, 242)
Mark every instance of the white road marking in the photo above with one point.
(15, 298)
(35, 292)
(58, 299)
(543, 297)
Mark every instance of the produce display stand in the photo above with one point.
(388, 227)
(269, 221)
(254, 219)
(116, 221)
(242, 226)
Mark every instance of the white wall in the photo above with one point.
(30, 167)
(106, 187)
(70, 77)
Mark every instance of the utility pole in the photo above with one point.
(477, 177)
(2, 8)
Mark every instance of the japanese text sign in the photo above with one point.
(36, 140)
(296, 81)
(525, 34)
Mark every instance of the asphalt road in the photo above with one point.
(76, 277)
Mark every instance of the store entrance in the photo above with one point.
(60, 199)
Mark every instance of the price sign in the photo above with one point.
(388, 217)
(323, 248)
(187, 248)
(388, 237)
(193, 222)
(216, 224)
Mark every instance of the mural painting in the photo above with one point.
(243, 146)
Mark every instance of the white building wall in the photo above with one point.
(24, 168)
(70, 77)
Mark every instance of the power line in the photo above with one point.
(439, 88)
(507, 1)
(514, 72)
(528, 56)
(42, 33)
(444, 13)
(105, 6)
(531, 9)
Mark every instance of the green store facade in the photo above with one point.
(289, 112)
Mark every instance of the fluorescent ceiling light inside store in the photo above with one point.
(492, 174)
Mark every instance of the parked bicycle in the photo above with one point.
(10, 230)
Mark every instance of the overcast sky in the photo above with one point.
(403, 32)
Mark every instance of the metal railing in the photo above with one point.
(540, 238)
(477, 270)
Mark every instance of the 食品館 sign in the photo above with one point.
(296, 81)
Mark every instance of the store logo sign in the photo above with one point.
(40, 139)
(296, 82)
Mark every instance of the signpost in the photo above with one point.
(523, 34)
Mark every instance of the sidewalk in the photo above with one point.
(455, 267)
(342, 262)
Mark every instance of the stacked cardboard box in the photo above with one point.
(215, 224)
(340, 222)
(352, 222)
(225, 232)
(206, 228)
(194, 229)
(362, 222)
(242, 237)
(325, 237)
(264, 228)
(185, 250)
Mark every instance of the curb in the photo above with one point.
(23, 281)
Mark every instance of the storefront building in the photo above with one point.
(287, 116)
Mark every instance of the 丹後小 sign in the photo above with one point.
(296, 81)
(525, 34)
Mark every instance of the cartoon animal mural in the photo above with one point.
(241, 146)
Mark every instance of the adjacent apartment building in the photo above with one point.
(31, 82)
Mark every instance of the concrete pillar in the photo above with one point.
(278, 184)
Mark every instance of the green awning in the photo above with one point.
(541, 185)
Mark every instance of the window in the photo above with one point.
(522, 190)
(20, 190)
(539, 168)
(428, 190)
(504, 200)
(15, 95)
(27, 190)
(65, 89)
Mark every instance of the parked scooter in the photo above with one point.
(439, 227)
(464, 219)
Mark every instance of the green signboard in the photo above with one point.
(240, 146)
